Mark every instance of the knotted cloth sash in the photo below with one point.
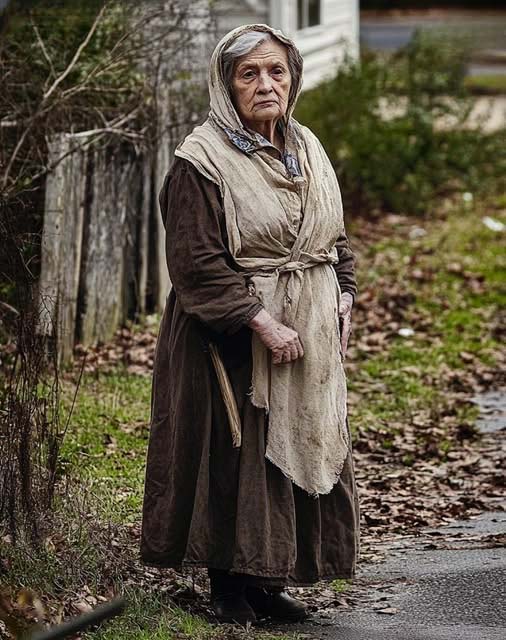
(295, 266)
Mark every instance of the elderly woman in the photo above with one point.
(249, 469)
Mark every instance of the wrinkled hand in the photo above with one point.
(345, 306)
(283, 342)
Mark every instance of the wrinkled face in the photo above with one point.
(261, 83)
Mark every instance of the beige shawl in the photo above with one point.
(282, 232)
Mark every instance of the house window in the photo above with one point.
(308, 13)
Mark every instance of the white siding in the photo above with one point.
(322, 46)
(230, 14)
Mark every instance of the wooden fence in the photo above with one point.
(98, 264)
(103, 245)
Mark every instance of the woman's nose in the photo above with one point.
(264, 83)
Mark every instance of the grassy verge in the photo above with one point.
(436, 289)
(426, 319)
(108, 440)
(153, 618)
(486, 84)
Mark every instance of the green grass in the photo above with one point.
(107, 441)
(148, 614)
(152, 619)
(341, 585)
(486, 84)
(400, 380)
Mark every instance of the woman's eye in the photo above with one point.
(248, 74)
(278, 70)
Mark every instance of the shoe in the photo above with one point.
(228, 598)
(232, 608)
(276, 604)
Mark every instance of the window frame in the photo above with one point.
(303, 20)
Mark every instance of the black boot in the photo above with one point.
(275, 604)
(228, 598)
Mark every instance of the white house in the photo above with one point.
(322, 29)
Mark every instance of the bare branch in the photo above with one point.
(43, 47)
(9, 308)
(131, 50)
(48, 93)
(91, 137)
(18, 146)
(77, 54)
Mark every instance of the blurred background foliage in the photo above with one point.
(39, 42)
(397, 128)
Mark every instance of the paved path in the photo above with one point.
(486, 31)
(390, 32)
(448, 583)
(453, 593)
(419, 593)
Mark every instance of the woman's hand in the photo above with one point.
(280, 339)
(345, 306)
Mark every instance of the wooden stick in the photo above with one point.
(228, 395)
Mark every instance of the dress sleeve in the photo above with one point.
(345, 268)
(201, 267)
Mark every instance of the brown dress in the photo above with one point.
(206, 503)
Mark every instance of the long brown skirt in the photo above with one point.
(208, 504)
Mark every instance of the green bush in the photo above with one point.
(395, 128)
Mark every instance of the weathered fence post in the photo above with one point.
(61, 244)
(111, 192)
(89, 243)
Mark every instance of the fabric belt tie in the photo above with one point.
(295, 267)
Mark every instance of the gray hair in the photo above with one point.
(245, 44)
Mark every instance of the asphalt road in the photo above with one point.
(419, 593)
(486, 31)
(391, 32)
(448, 583)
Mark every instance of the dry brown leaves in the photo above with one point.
(132, 348)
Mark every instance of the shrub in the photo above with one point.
(396, 129)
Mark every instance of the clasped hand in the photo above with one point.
(284, 343)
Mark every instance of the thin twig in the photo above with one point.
(74, 398)
(43, 47)
(77, 54)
